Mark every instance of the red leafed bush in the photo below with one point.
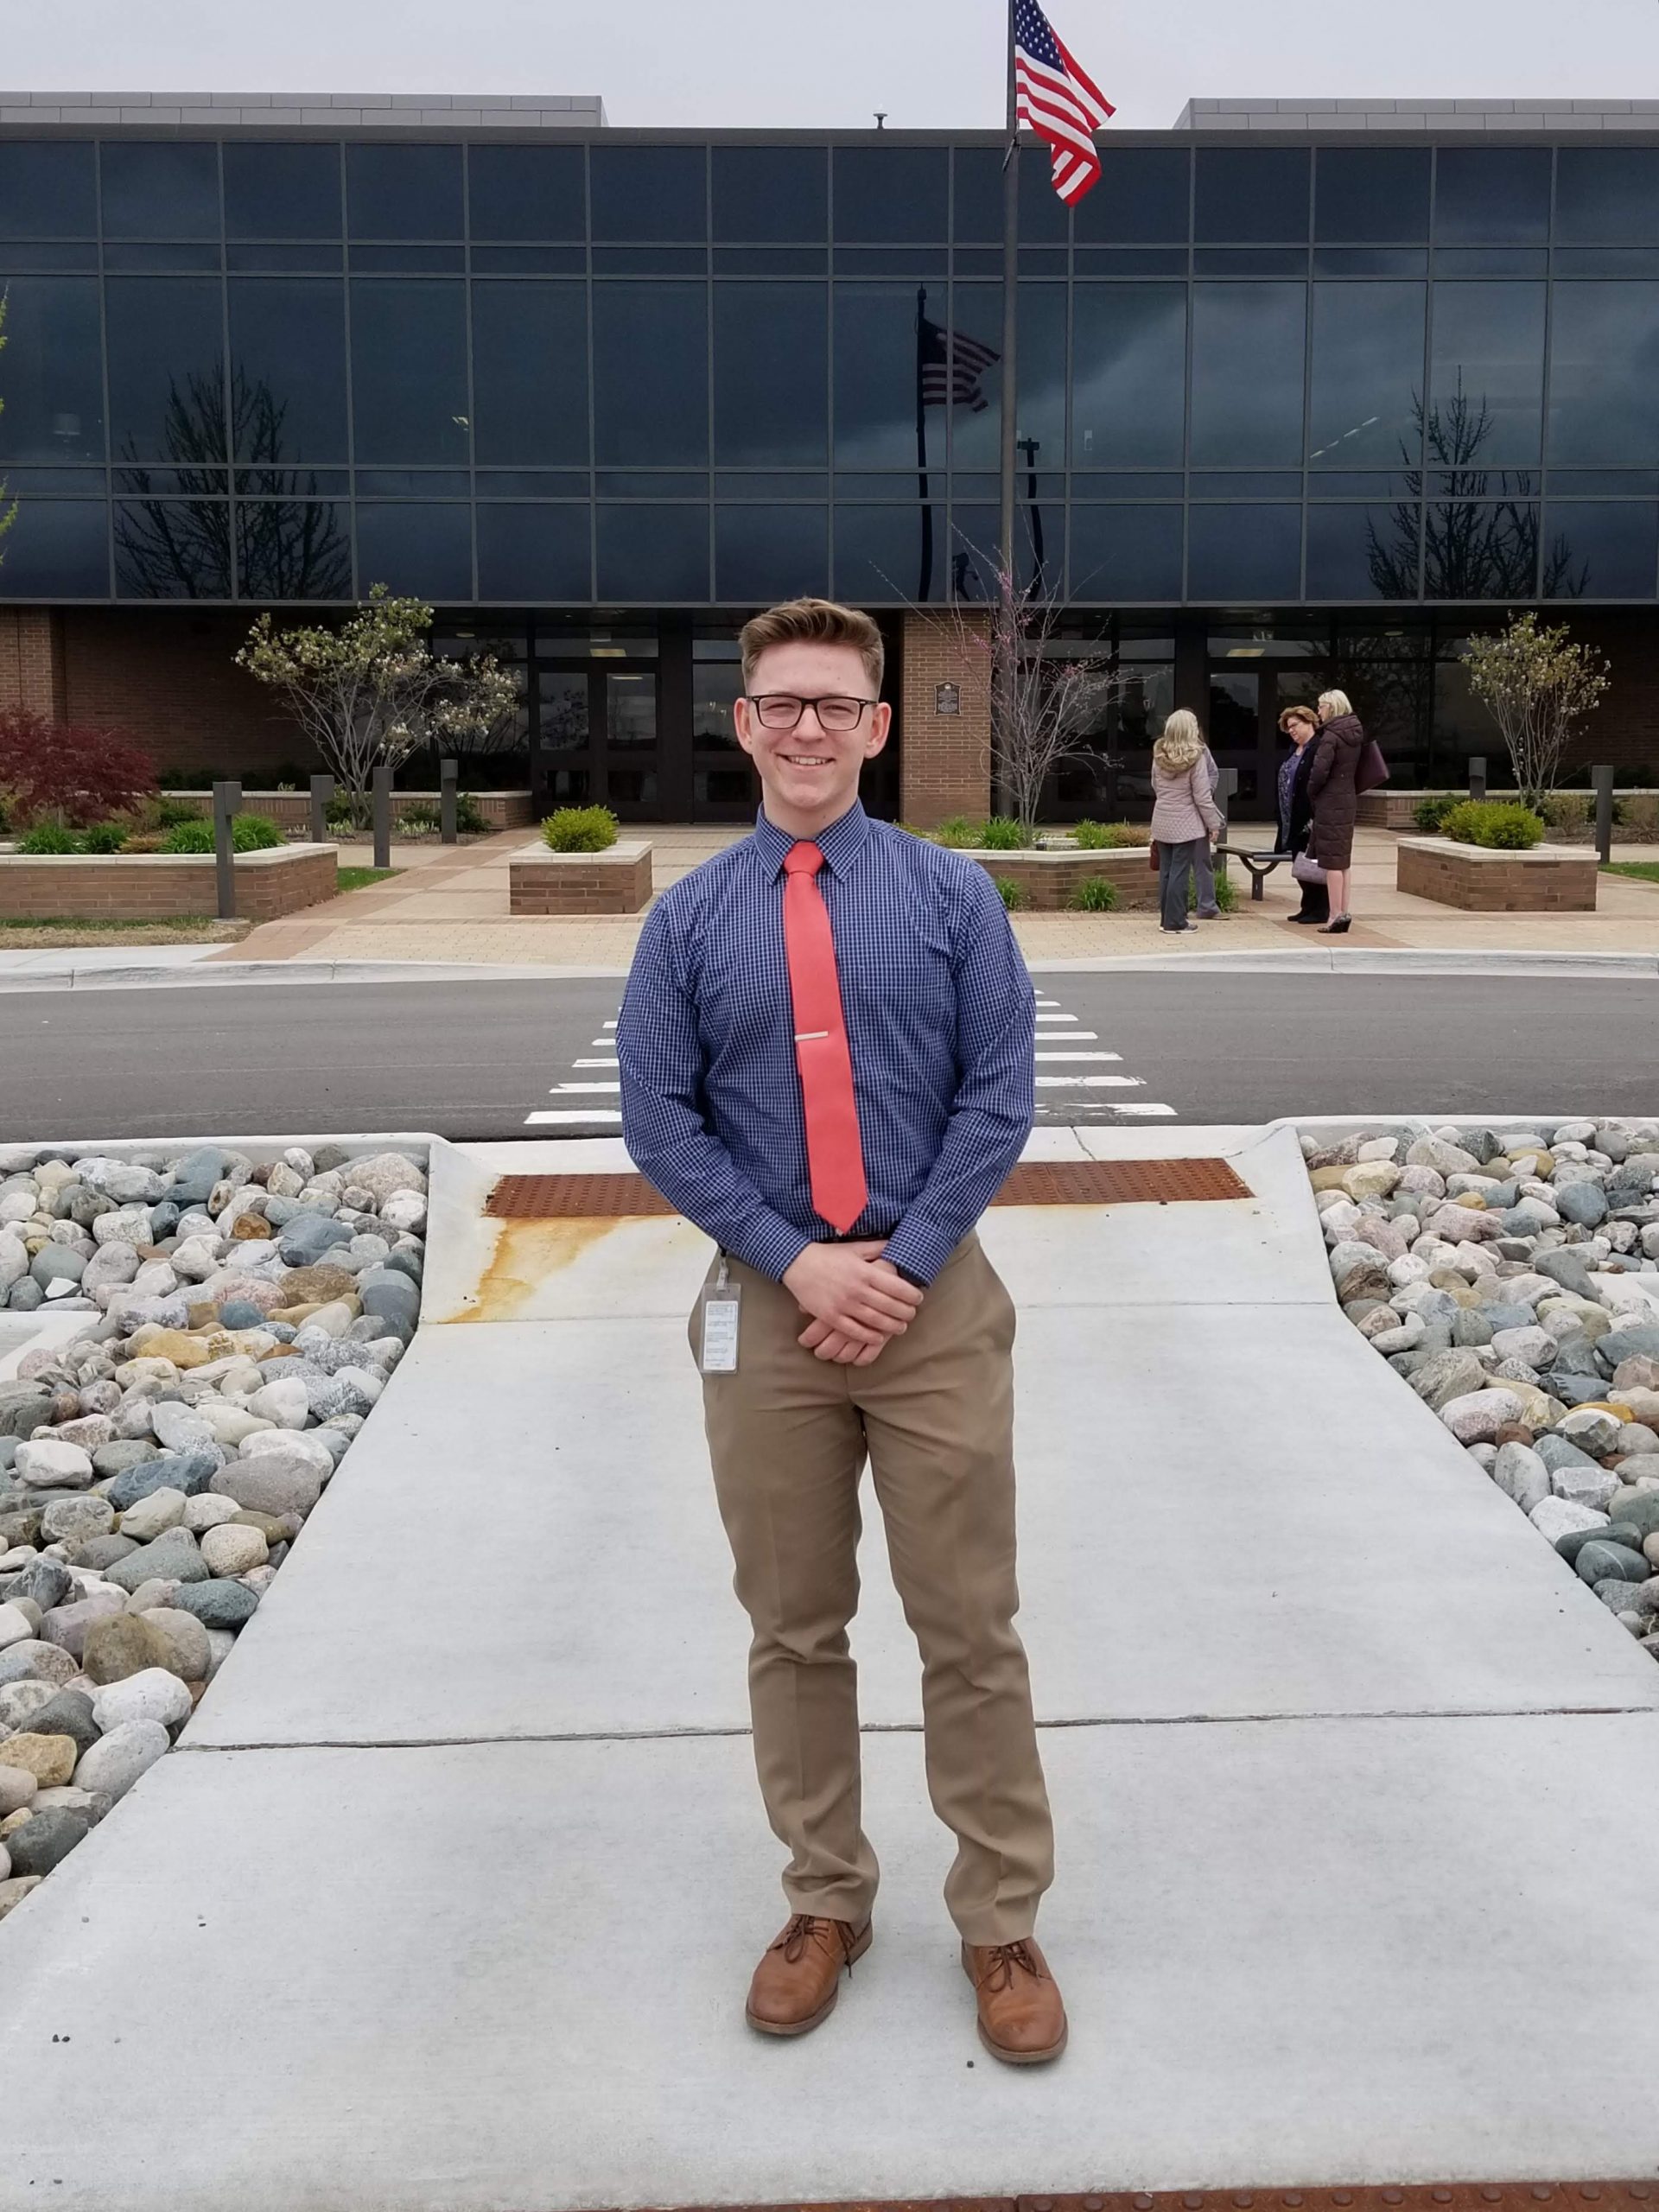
(68, 772)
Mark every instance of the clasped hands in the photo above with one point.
(856, 1299)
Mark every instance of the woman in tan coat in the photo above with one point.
(1184, 816)
(1332, 789)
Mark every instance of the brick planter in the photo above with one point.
(613, 882)
(291, 811)
(1550, 879)
(1048, 880)
(156, 886)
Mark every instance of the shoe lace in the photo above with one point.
(1003, 1960)
(803, 1930)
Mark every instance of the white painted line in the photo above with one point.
(1057, 1017)
(1068, 1036)
(1090, 1082)
(598, 1114)
(559, 1089)
(609, 1063)
(608, 1041)
(1041, 1055)
(1146, 1110)
(608, 1025)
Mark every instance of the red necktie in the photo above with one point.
(833, 1153)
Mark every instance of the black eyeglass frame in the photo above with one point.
(760, 701)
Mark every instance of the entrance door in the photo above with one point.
(596, 736)
(1243, 704)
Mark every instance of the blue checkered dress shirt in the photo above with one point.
(940, 1018)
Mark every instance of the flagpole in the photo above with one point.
(924, 586)
(1003, 676)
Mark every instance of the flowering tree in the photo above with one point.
(1537, 684)
(70, 774)
(372, 691)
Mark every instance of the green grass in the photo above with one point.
(1643, 871)
(360, 879)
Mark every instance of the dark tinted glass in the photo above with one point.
(293, 549)
(1488, 380)
(50, 377)
(890, 193)
(530, 553)
(1042, 375)
(1249, 196)
(424, 549)
(880, 554)
(1362, 552)
(771, 553)
(1128, 375)
(403, 192)
(1480, 550)
(1247, 343)
(1368, 376)
(1141, 199)
(167, 369)
(1372, 193)
(1044, 219)
(651, 373)
(770, 193)
(160, 191)
(973, 434)
(977, 220)
(653, 553)
(57, 548)
(875, 376)
(281, 192)
(1603, 375)
(772, 374)
(1607, 195)
(1244, 552)
(530, 374)
(173, 549)
(1492, 195)
(47, 191)
(650, 191)
(1600, 548)
(526, 192)
(1126, 553)
(408, 372)
(288, 369)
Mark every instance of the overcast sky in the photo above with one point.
(933, 64)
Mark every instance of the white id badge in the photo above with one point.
(721, 1301)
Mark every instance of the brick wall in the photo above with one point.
(1049, 880)
(170, 676)
(1624, 729)
(1482, 882)
(144, 888)
(616, 882)
(31, 660)
(945, 759)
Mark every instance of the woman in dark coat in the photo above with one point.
(1301, 726)
(1333, 789)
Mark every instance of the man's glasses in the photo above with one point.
(783, 710)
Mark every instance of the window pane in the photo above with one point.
(977, 215)
(875, 376)
(1141, 198)
(1492, 195)
(281, 192)
(57, 548)
(47, 191)
(1368, 376)
(770, 193)
(288, 369)
(1128, 375)
(1607, 195)
(772, 374)
(1372, 193)
(649, 193)
(1600, 548)
(167, 369)
(630, 709)
(1364, 552)
(293, 549)
(972, 436)
(1481, 550)
(653, 553)
(408, 372)
(561, 704)
(1603, 402)
(530, 374)
(1126, 552)
(1045, 218)
(159, 190)
(1247, 342)
(1252, 195)
(173, 549)
(1488, 382)
(651, 373)
(404, 192)
(1041, 359)
(50, 379)
(716, 687)
(526, 192)
(771, 553)
(423, 550)
(529, 552)
(890, 193)
(1244, 553)
(879, 554)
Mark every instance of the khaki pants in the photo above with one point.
(788, 1435)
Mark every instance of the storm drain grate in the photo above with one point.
(1461, 2197)
(1034, 1183)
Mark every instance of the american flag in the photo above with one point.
(951, 367)
(1057, 100)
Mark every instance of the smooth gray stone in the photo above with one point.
(1470, 1329)
(1585, 1204)
(173, 1557)
(23, 1406)
(1572, 1389)
(1500, 1316)
(1635, 1340)
(1562, 1265)
(57, 1262)
(46, 1840)
(308, 1235)
(190, 1471)
(47, 1582)
(1599, 1560)
(98, 1553)
(217, 1602)
(69, 1713)
(25, 1296)
(1561, 1451)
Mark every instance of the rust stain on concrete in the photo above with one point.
(526, 1252)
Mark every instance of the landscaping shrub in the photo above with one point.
(167, 813)
(249, 833)
(1500, 825)
(1002, 834)
(1429, 813)
(69, 772)
(1094, 895)
(1107, 836)
(578, 829)
(958, 832)
(104, 837)
(1226, 897)
(471, 821)
(48, 837)
(1013, 895)
(421, 820)
(1639, 816)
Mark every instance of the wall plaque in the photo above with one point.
(947, 698)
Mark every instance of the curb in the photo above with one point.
(206, 974)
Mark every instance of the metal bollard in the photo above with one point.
(322, 798)
(382, 788)
(227, 799)
(1478, 775)
(1603, 781)
(449, 779)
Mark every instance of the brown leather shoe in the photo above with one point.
(795, 1984)
(1021, 2019)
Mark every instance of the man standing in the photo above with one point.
(826, 1056)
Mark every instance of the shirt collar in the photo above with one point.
(840, 843)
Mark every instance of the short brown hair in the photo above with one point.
(1298, 715)
(814, 622)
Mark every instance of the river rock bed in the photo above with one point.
(1510, 1273)
(238, 1323)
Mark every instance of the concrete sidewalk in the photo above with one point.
(452, 1895)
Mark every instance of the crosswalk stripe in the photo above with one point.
(609, 1063)
(559, 1088)
(1057, 1017)
(1090, 1082)
(1145, 1111)
(589, 1115)
(1041, 1055)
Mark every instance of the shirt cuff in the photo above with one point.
(918, 1248)
(770, 1245)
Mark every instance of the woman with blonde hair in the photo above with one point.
(1184, 816)
(1333, 792)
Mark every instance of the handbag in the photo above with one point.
(1151, 854)
(1372, 770)
(1305, 869)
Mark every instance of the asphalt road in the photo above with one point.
(477, 1060)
